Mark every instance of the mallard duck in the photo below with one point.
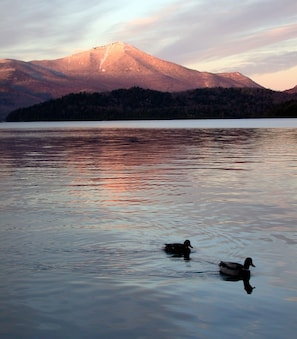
(179, 249)
(236, 270)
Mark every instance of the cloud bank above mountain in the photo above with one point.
(255, 37)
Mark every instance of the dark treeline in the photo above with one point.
(143, 104)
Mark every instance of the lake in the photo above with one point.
(86, 208)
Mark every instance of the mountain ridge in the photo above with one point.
(104, 68)
(291, 90)
(121, 59)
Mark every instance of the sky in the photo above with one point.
(255, 37)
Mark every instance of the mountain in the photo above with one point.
(292, 90)
(119, 65)
(105, 68)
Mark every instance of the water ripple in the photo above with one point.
(85, 213)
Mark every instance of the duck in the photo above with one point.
(179, 249)
(236, 270)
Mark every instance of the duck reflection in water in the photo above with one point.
(179, 250)
(234, 272)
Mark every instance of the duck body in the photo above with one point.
(179, 249)
(236, 270)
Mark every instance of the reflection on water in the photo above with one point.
(246, 282)
(85, 213)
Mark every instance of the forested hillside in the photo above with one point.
(141, 104)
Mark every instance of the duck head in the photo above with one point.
(248, 262)
(187, 243)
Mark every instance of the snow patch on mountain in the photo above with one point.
(105, 56)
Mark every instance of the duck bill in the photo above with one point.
(253, 265)
(190, 246)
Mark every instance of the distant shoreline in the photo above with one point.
(154, 124)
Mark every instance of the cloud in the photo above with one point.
(252, 37)
(40, 27)
(253, 42)
(269, 63)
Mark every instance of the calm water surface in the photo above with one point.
(86, 208)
